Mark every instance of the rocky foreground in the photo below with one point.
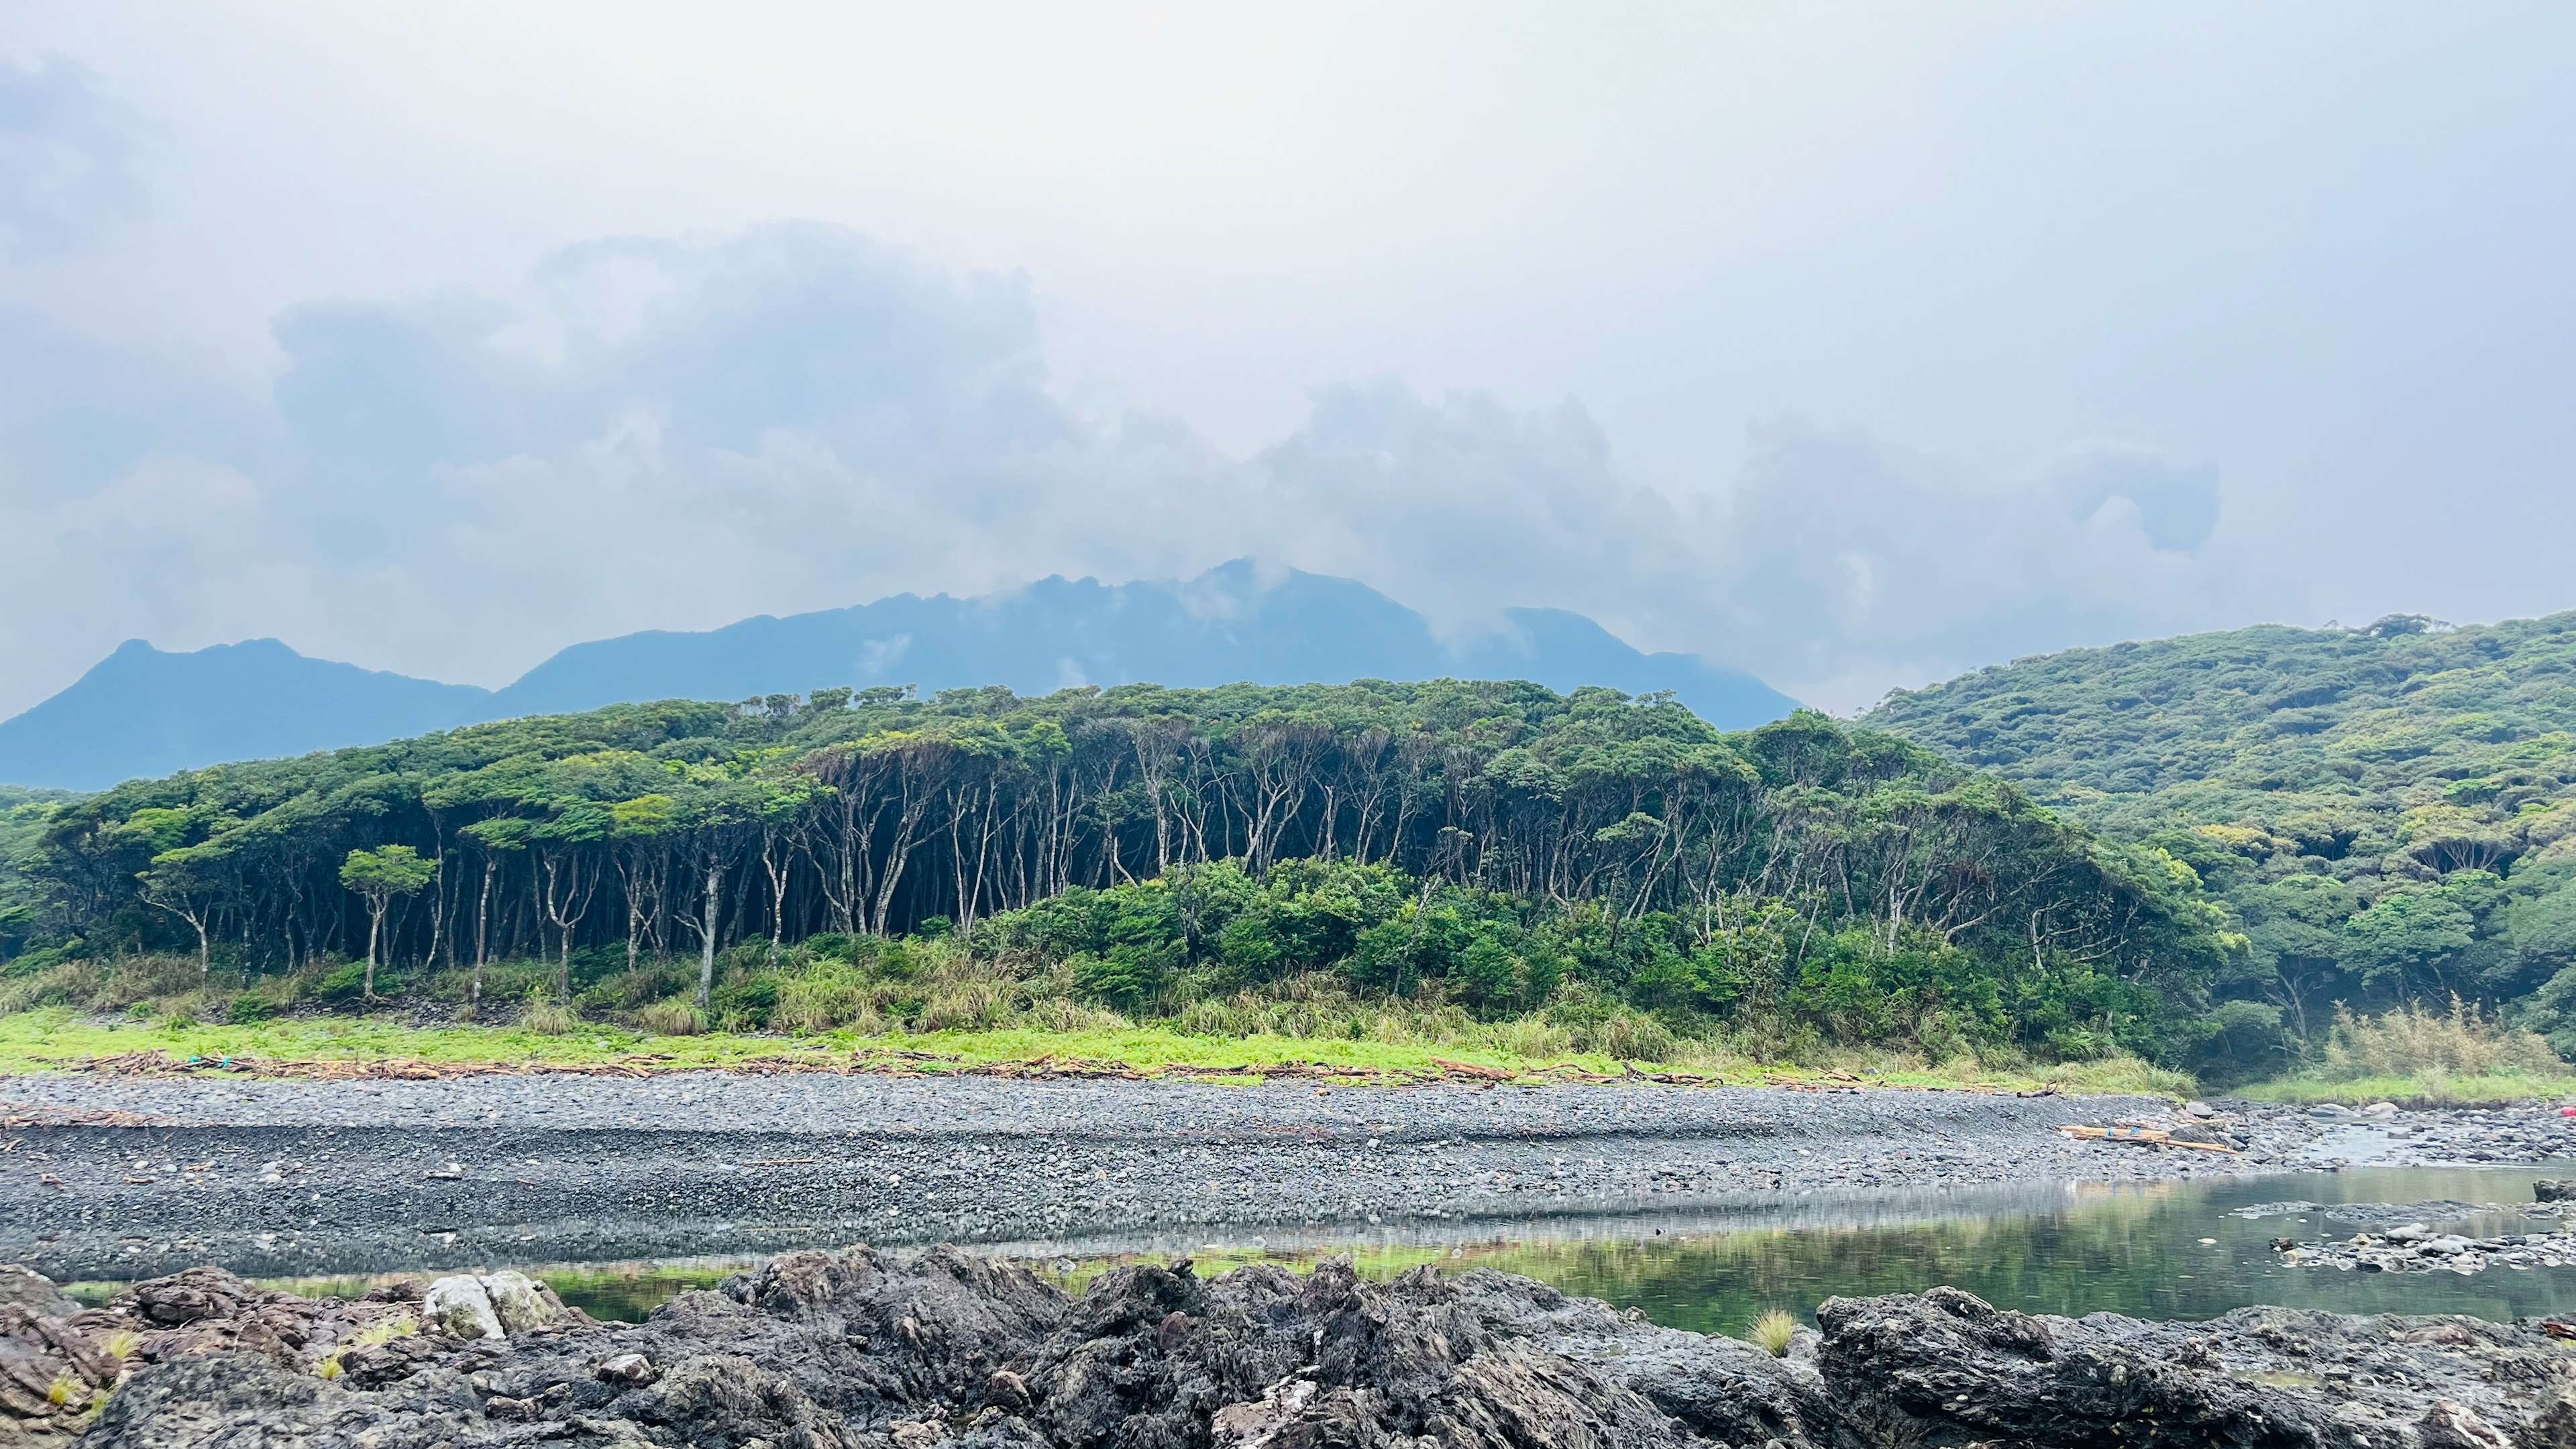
(815, 1351)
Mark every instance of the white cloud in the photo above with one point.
(66, 157)
(660, 434)
(1837, 567)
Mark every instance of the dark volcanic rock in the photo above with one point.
(1945, 1368)
(863, 1351)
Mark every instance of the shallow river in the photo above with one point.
(2166, 1250)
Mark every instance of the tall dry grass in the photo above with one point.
(2414, 1042)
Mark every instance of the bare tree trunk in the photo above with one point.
(375, 928)
(482, 931)
(707, 935)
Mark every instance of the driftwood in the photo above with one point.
(2153, 1137)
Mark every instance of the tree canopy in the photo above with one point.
(2390, 812)
(1496, 843)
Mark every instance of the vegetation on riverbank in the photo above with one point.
(1445, 862)
(55, 1040)
(2415, 1056)
(2388, 813)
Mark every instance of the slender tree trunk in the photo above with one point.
(375, 928)
(482, 933)
(707, 937)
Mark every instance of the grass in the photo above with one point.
(2417, 1057)
(55, 1038)
(2426, 1089)
(1772, 1332)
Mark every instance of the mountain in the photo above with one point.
(2359, 742)
(2390, 812)
(1227, 625)
(146, 712)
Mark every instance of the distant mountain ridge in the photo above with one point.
(144, 712)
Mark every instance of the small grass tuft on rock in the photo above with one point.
(1772, 1332)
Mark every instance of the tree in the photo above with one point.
(383, 876)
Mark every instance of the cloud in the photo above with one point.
(651, 433)
(1837, 567)
(66, 153)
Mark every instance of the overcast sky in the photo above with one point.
(1856, 345)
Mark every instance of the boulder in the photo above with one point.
(460, 1307)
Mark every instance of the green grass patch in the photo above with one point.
(55, 1039)
(2429, 1089)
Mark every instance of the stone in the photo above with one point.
(520, 1303)
(460, 1307)
(633, 1370)
(2554, 1189)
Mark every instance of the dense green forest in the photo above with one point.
(2389, 812)
(1483, 847)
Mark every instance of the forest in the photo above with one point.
(2388, 812)
(1487, 848)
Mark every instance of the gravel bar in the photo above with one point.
(278, 1178)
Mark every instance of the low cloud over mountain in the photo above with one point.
(666, 434)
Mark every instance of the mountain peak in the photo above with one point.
(142, 711)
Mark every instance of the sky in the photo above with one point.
(1855, 345)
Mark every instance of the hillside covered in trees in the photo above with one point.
(2390, 812)
(1481, 847)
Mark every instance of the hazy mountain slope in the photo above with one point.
(1226, 625)
(143, 712)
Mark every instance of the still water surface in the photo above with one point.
(2137, 1249)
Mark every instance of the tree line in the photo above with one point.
(684, 828)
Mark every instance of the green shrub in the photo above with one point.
(346, 983)
(748, 1000)
(548, 1018)
(673, 1018)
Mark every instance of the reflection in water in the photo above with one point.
(2136, 1249)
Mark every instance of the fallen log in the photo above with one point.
(2154, 1137)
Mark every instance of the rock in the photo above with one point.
(461, 1308)
(2199, 1109)
(1947, 1368)
(44, 1354)
(2554, 1189)
(2381, 1110)
(34, 1292)
(522, 1304)
(840, 1351)
(633, 1370)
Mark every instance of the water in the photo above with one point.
(2136, 1249)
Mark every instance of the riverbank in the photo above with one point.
(396, 1044)
(124, 1177)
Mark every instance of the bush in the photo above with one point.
(673, 1018)
(549, 1018)
(748, 1000)
(249, 1007)
(1773, 1331)
(346, 983)
(2414, 1042)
